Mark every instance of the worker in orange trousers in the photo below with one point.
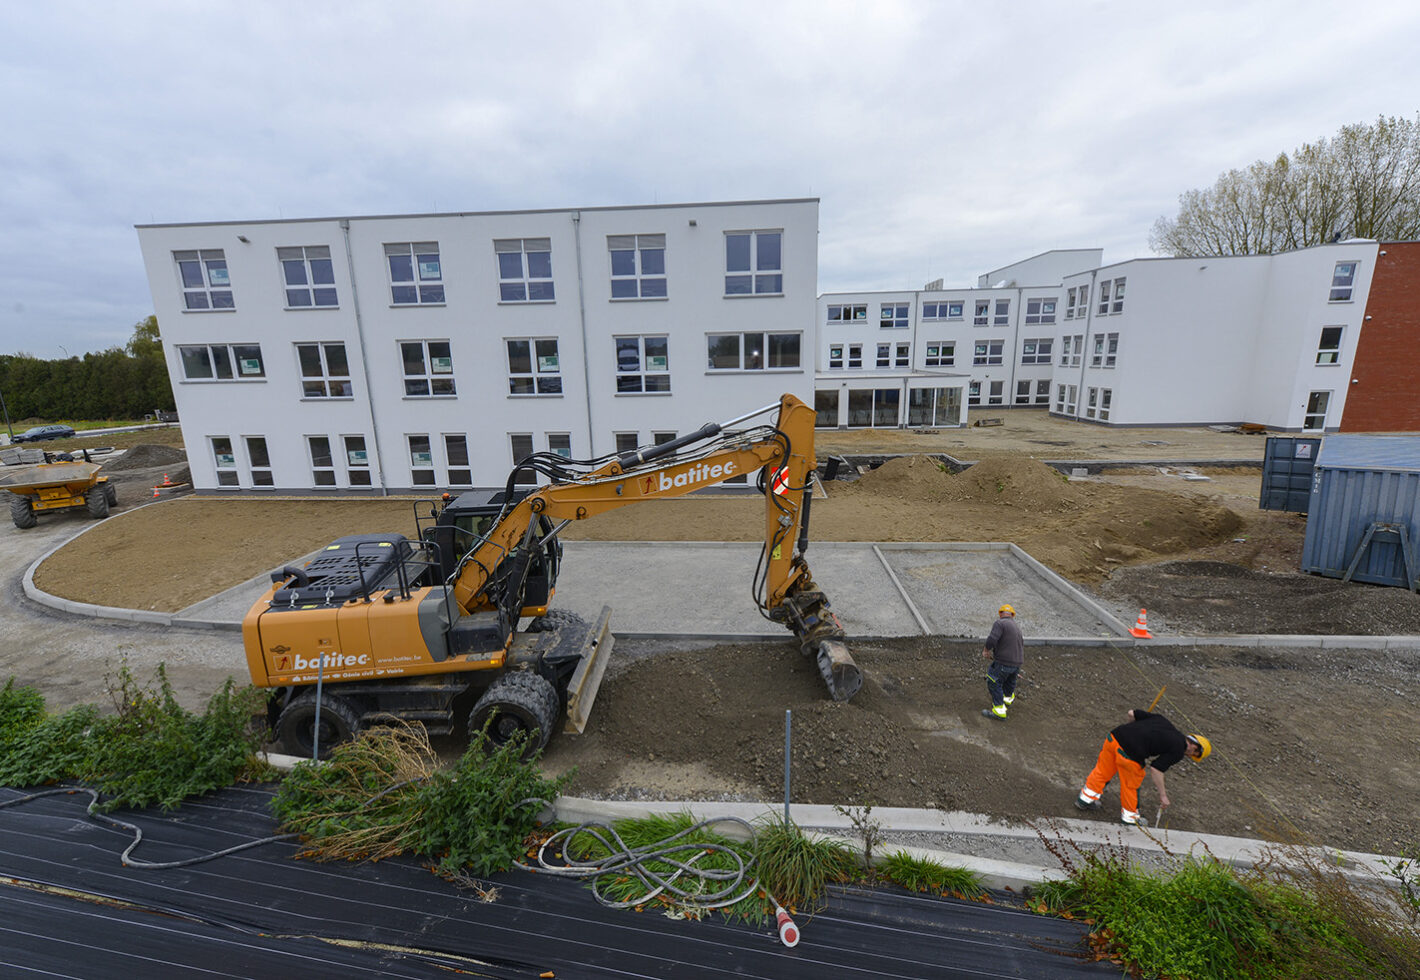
(1147, 742)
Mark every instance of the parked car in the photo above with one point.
(42, 432)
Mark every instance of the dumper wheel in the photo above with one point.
(296, 728)
(97, 501)
(111, 494)
(520, 703)
(22, 511)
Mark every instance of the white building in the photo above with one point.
(1220, 340)
(432, 351)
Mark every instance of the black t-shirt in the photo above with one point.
(1151, 740)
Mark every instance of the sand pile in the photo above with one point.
(1016, 481)
(145, 455)
(907, 478)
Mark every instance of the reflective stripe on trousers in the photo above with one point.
(1112, 761)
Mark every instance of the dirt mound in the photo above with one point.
(145, 455)
(907, 478)
(1016, 481)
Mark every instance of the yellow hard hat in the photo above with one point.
(1204, 746)
(1007, 608)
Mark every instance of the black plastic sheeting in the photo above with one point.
(69, 908)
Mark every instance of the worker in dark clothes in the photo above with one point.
(1147, 742)
(1005, 648)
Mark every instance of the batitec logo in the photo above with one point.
(333, 661)
(699, 473)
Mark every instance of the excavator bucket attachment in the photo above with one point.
(587, 678)
(839, 671)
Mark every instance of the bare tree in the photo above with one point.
(1362, 183)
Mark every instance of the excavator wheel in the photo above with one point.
(296, 728)
(22, 511)
(556, 619)
(518, 703)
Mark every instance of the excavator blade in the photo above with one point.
(587, 679)
(839, 671)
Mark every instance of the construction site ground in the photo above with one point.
(1310, 740)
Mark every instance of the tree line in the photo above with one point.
(119, 383)
(1362, 183)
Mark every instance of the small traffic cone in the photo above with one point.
(155, 492)
(166, 482)
(1141, 628)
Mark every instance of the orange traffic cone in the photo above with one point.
(166, 482)
(1141, 628)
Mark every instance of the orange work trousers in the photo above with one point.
(1131, 776)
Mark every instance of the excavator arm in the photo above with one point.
(782, 454)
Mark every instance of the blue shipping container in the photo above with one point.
(1365, 510)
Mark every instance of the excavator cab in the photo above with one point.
(463, 522)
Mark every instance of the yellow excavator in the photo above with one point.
(381, 626)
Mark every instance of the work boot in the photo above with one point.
(1010, 699)
(992, 713)
(1083, 804)
(1129, 821)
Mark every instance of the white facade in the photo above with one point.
(431, 351)
(1218, 340)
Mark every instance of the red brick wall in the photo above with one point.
(1386, 394)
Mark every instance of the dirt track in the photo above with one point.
(1298, 733)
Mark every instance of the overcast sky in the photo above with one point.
(943, 139)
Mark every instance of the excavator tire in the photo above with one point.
(97, 501)
(520, 703)
(22, 511)
(296, 728)
(556, 619)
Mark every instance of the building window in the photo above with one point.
(322, 466)
(357, 461)
(754, 351)
(1071, 398)
(325, 372)
(894, 316)
(855, 355)
(903, 356)
(1118, 305)
(534, 367)
(838, 313)
(309, 276)
(226, 462)
(996, 393)
(1072, 349)
(626, 441)
(415, 273)
(982, 315)
(428, 367)
(940, 355)
(560, 443)
(1083, 309)
(753, 263)
(973, 393)
(524, 270)
(1040, 311)
(206, 284)
(1036, 350)
(825, 409)
(421, 461)
(1106, 349)
(222, 362)
(1003, 313)
(642, 364)
(260, 462)
(1091, 402)
(521, 445)
(456, 455)
(1342, 281)
(987, 352)
(638, 266)
(1069, 304)
(934, 406)
(1060, 398)
(1106, 396)
(1104, 298)
(886, 353)
(1315, 420)
(949, 310)
(1329, 350)
(1042, 392)
(661, 438)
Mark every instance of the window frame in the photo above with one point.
(230, 356)
(741, 351)
(847, 313)
(643, 374)
(1329, 356)
(540, 382)
(525, 282)
(1311, 413)
(302, 255)
(1040, 350)
(260, 472)
(643, 283)
(322, 476)
(357, 469)
(755, 269)
(426, 289)
(327, 380)
(893, 316)
(1343, 284)
(456, 445)
(431, 378)
(1103, 308)
(1041, 314)
(422, 472)
(981, 313)
(224, 464)
(987, 352)
(945, 356)
(215, 287)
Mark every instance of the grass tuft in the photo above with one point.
(924, 875)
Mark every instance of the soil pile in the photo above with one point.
(147, 455)
(1012, 481)
(904, 478)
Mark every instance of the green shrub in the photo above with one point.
(383, 795)
(795, 869)
(923, 875)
